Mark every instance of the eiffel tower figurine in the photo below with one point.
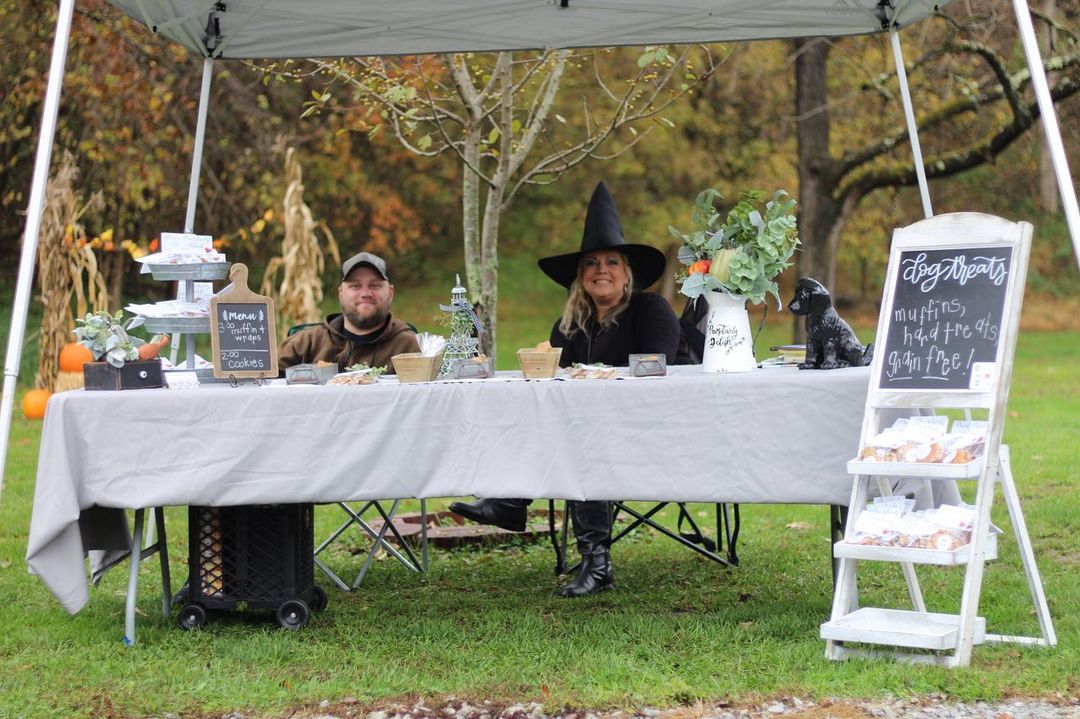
(463, 321)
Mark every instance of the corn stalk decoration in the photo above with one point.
(64, 257)
(302, 261)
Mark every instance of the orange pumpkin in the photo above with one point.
(73, 356)
(33, 403)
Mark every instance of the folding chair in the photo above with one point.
(727, 529)
(379, 540)
(690, 351)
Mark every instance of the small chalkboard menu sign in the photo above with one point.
(243, 331)
(947, 302)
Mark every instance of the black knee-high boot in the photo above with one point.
(592, 528)
(509, 514)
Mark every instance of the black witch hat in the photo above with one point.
(603, 232)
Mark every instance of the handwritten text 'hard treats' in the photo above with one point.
(946, 316)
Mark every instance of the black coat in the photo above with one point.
(647, 325)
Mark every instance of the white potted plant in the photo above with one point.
(121, 361)
(731, 260)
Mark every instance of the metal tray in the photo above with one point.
(205, 375)
(196, 271)
(191, 325)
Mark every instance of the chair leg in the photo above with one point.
(338, 581)
(647, 519)
(729, 531)
(556, 544)
(411, 562)
(695, 534)
(837, 522)
(163, 556)
(423, 536)
(378, 537)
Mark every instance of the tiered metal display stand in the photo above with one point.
(186, 327)
(955, 249)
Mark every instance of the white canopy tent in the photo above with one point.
(235, 29)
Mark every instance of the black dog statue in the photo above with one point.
(830, 342)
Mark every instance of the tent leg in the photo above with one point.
(913, 130)
(1049, 122)
(200, 138)
(33, 223)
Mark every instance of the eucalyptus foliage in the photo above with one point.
(106, 335)
(746, 250)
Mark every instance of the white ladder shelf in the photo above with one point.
(961, 266)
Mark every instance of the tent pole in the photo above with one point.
(913, 130)
(200, 138)
(33, 223)
(1049, 122)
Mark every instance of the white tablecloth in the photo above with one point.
(767, 436)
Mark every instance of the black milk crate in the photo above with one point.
(260, 555)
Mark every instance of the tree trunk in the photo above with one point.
(817, 207)
(470, 210)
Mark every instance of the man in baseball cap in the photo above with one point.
(364, 331)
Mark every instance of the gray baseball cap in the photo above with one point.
(365, 258)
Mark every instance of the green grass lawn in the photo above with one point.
(483, 624)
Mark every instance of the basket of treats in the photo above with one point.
(417, 366)
(539, 362)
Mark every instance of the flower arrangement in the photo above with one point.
(106, 335)
(742, 254)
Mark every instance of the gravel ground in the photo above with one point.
(932, 707)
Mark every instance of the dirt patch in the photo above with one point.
(932, 707)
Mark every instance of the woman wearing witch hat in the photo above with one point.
(604, 321)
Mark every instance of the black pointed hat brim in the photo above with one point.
(647, 264)
(603, 231)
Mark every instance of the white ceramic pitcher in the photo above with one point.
(729, 346)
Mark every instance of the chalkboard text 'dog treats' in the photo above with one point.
(945, 318)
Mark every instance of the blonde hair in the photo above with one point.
(579, 309)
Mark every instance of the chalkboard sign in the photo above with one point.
(243, 330)
(945, 317)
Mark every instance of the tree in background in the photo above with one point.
(733, 131)
(501, 117)
(970, 92)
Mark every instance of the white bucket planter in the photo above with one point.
(729, 346)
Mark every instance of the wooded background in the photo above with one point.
(819, 118)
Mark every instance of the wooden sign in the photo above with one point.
(242, 330)
(945, 318)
